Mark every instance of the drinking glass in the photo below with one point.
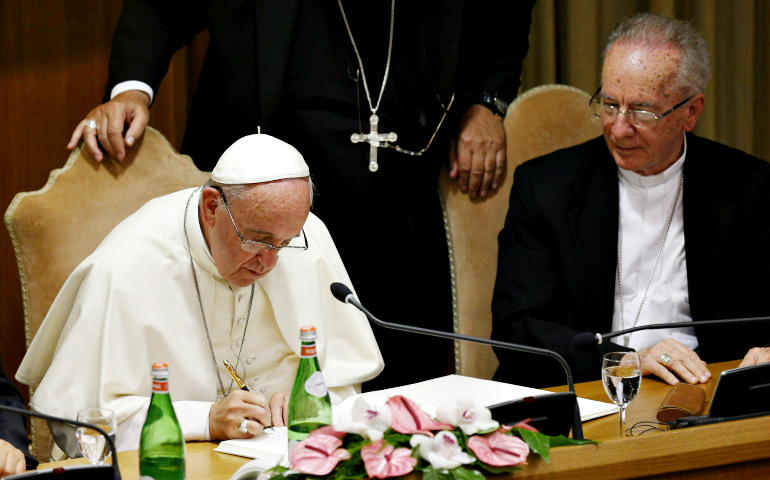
(621, 376)
(91, 443)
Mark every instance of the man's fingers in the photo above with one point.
(453, 166)
(279, 409)
(651, 366)
(11, 460)
(500, 160)
(756, 355)
(89, 138)
(137, 125)
(490, 170)
(76, 135)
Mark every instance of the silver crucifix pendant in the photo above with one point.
(626, 339)
(375, 140)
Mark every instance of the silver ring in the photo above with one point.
(90, 123)
(243, 428)
(665, 358)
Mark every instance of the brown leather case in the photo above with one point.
(683, 400)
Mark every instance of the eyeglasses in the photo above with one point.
(608, 112)
(253, 246)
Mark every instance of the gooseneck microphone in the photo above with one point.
(342, 293)
(77, 471)
(585, 341)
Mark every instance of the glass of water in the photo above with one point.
(621, 376)
(91, 443)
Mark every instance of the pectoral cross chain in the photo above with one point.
(375, 140)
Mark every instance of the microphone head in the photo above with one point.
(340, 291)
(584, 341)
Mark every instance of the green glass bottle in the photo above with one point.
(161, 448)
(309, 404)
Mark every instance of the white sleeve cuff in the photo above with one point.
(338, 394)
(132, 85)
(193, 418)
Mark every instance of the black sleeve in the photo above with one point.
(12, 426)
(496, 41)
(531, 304)
(146, 37)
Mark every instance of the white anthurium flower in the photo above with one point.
(467, 416)
(442, 451)
(369, 422)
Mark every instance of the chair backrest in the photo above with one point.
(54, 229)
(541, 120)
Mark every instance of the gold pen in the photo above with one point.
(236, 377)
(239, 381)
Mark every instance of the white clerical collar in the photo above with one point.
(650, 180)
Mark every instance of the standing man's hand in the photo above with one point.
(670, 357)
(128, 108)
(477, 152)
(229, 413)
(12, 460)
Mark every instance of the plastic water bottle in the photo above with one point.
(161, 448)
(309, 404)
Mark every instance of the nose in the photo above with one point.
(621, 126)
(268, 258)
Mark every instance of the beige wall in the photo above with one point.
(53, 67)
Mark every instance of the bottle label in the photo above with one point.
(315, 385)
(160, 386)
(308, 351)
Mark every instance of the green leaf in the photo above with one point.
(488, 430)
(430, 473)
(537, 442)
(561, 441)
(462, 473)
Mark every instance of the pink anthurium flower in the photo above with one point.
(327, 430)
(369, 422)
(381, 460)
(318, 454)
(409, 419)
(467, 416)
(443, 451)
(499, 449)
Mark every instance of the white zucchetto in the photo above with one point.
(259, 158)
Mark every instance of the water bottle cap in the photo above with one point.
(160, 370)
(307, 333)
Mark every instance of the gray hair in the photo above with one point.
(649, 29)
(238, 192)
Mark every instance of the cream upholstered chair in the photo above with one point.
(541, 120)
(55, 228)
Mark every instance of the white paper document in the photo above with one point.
(429, 395)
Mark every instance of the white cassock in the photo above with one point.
(133, 302)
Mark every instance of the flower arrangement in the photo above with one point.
(397, 438)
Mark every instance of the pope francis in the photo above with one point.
(227, 271)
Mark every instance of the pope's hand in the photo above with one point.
(279, 409)
(12, 460)
(227, 414)
(477, 152)
(684, 362)
(128, 108)
(756, 355)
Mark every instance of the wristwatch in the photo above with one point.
(491, 101)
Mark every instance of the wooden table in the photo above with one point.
(739, 449)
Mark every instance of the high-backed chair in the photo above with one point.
(541, 120)
(57, 227)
